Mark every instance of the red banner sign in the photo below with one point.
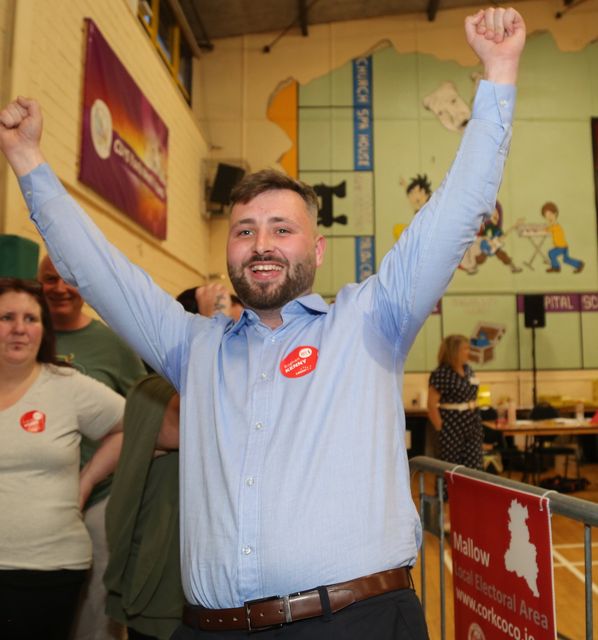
(502, 562)
(124, 143)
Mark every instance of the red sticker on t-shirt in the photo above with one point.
(33, 421)
(299, 362)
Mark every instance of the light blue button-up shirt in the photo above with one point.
(294, 471)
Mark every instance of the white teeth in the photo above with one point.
(266, 267)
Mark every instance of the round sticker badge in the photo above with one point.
(33, 421)
(299, 362)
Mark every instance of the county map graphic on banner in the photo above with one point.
(124, 143)
(502, 562)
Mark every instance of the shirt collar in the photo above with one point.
(312, 303)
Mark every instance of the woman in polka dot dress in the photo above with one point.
(452, 405)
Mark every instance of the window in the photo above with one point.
(185, 65)
(165, 32)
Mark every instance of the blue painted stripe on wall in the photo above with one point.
(363, 138)
(365, 259)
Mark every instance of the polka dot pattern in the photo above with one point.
(461, 435)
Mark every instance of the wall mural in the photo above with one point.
(376, 136)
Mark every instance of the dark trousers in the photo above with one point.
(392, 616)
(38, 604)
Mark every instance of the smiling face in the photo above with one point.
(273, 249)
(21, 328)
(64, 301)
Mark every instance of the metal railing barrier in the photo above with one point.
(431, 511)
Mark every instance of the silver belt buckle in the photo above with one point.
(286, 606)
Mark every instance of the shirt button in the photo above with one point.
(249, 482)
(263, 376)
(247, 551)
(272, 339)
(259, 426)
(28, 194)
(503, 102)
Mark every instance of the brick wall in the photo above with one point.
(48, 54)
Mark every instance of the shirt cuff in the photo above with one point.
(39, 186)
(494, 102)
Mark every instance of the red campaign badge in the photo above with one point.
(33, 421)
(299, 362)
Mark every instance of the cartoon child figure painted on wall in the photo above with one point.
(550, 212)
(493, 239)
(418, 193)
(490, 242)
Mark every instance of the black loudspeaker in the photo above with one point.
(533, 311)
(227, 176)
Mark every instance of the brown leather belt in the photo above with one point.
(279, 610)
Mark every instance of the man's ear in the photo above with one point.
(320, 250)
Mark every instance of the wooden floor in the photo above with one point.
(568, 560)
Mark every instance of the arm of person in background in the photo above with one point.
(212, 299)
(433, 410)
(168, 438)
(123, 294)
(102, 463)
(415, 273)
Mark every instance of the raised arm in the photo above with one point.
(122, 293)
(418, 269)
(497, 35)
(20, 135)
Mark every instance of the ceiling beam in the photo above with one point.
(185, 27)
(302, 16)
(432, 9)
(567, 5)
(190, 10)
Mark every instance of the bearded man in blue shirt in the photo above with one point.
(296, 513)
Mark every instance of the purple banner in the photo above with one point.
(557, 302)
(124, 142)
(589, 302)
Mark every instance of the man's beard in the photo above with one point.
(267, 295)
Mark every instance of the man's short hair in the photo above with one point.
(254, 184)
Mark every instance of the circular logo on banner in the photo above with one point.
(475, 632)
(299, 362)
(33, 421)
(100, 120)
